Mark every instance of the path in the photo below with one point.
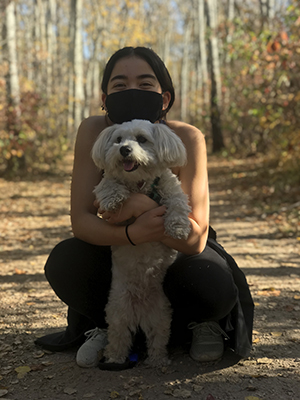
(34, 217)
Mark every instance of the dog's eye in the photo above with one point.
(119, 139)
(141, 139)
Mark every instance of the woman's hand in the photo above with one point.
(148, 227)
(133, 207)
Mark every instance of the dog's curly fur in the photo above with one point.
(132, 156)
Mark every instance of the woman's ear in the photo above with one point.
(166, 100)
(103, 97)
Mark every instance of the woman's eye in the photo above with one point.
(119, 86)
(146, 85)
(141, 139)
(119, 139)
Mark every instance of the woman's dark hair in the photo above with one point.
(152, 59)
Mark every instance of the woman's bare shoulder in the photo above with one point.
(187, 133)
(90, 127)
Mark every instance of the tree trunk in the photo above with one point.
(267, 10)
(71, 94)
(215, 75)
(78, 66)
(203, 51)
(51, 46)
(185, 71)
(92, 72)
(16, 161)
(76, 87)
(42, 60)
(227, 61)
(12, 77)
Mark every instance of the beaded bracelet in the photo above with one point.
(126, 231)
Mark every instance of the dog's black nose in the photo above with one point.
(125, 151)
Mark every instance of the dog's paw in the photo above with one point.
(158, 362)
(178, 229)
(112, 204)
(113, 355)
(115, 360)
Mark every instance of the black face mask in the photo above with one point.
(127, 105)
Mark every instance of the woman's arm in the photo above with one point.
(194, 182)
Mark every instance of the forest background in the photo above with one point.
(235, 66)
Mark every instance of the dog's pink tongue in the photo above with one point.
(128, 165)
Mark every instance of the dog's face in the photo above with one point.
(137, 148)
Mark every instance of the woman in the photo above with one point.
(208, 293)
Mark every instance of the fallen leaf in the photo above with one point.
(182, 393)
(114, 395)
(6, 347)
(197, 388)
(20, 271)
(297, 297)
(252, 398)
(289, 308)
(47, 363)
(251, 388)
(3, 392)
(269, 292)
(37, 367)
(264, 360)
(39, 354)
(276, 334)
(256, 340)
(48, 352)
(22, 371)
(69, 390)
(135, 392)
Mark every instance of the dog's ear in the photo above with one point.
(101, 145)
(169, 147)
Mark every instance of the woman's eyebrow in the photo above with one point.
(114, 78)
(143, 76)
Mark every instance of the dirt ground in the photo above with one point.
(260, 230)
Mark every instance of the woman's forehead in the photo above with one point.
(133, 66)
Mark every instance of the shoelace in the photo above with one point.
(93, 333)
(208, 327)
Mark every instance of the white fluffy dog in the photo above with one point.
(136, 157)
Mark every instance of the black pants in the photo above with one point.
(200, 288)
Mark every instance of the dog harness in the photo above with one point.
(154, 195)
